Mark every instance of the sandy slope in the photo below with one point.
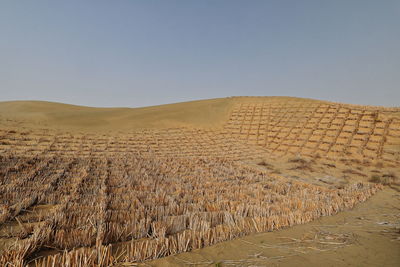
(206, 113)
(203, 113)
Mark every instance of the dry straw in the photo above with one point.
(135, 208)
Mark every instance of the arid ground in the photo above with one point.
(240, 181)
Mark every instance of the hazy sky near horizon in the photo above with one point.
(139, 53)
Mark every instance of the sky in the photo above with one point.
(140, 53)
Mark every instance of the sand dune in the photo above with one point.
(156, 181)
(206, 113)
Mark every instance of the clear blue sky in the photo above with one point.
(138, 53)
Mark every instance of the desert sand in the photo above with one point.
(239, 181)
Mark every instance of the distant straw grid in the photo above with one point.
(174, 142)
(255, 128)
(133, 208)
(308, 128)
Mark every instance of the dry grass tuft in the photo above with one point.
(385, 179)
(265, 164)
(302, 164)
